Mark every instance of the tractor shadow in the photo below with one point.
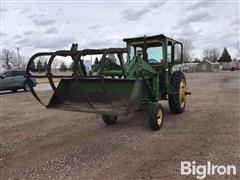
(139, 119)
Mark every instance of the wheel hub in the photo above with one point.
(159, 117)
(182, 93)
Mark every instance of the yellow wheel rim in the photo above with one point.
(159, 117)
(182, 93)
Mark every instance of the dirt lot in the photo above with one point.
(44, 144)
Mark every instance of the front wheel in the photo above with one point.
(156, 116)
(109, 120)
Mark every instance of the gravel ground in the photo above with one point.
(45, 144)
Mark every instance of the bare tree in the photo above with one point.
(23, 62)
(187, 49)
(63, 67)
(215, 54)
(211, 54)
(55, 63)
(8, 59)
(44, 61)
(238, 53)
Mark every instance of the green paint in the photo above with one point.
(139, 80)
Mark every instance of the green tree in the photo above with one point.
(96, 62)
(63, 67)
(32, 67)
(39, 66)
(112, 57)
(45, 66)
(225, 57)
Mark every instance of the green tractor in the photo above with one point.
(124, 80)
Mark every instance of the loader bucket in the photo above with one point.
(98, 95)
(105, 89)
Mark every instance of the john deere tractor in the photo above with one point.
(124, 80)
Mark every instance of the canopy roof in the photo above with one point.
(149, 38)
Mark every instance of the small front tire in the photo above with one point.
(156, 116)
(109, 119)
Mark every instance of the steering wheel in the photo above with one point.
(153, 61)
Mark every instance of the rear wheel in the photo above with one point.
(155, 116)
(177, 102)
(109, 119)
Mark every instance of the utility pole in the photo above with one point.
(18, 60)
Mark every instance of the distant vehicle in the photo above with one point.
(230, 66)
(14, 80)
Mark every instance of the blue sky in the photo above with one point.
(50, 25)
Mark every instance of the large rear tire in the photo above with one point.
(177, 102)
(109, 120)
(156, 116)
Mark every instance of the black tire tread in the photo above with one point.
(174, 103)
(109, 120)
(153, 111)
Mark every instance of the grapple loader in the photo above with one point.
(142, 76)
